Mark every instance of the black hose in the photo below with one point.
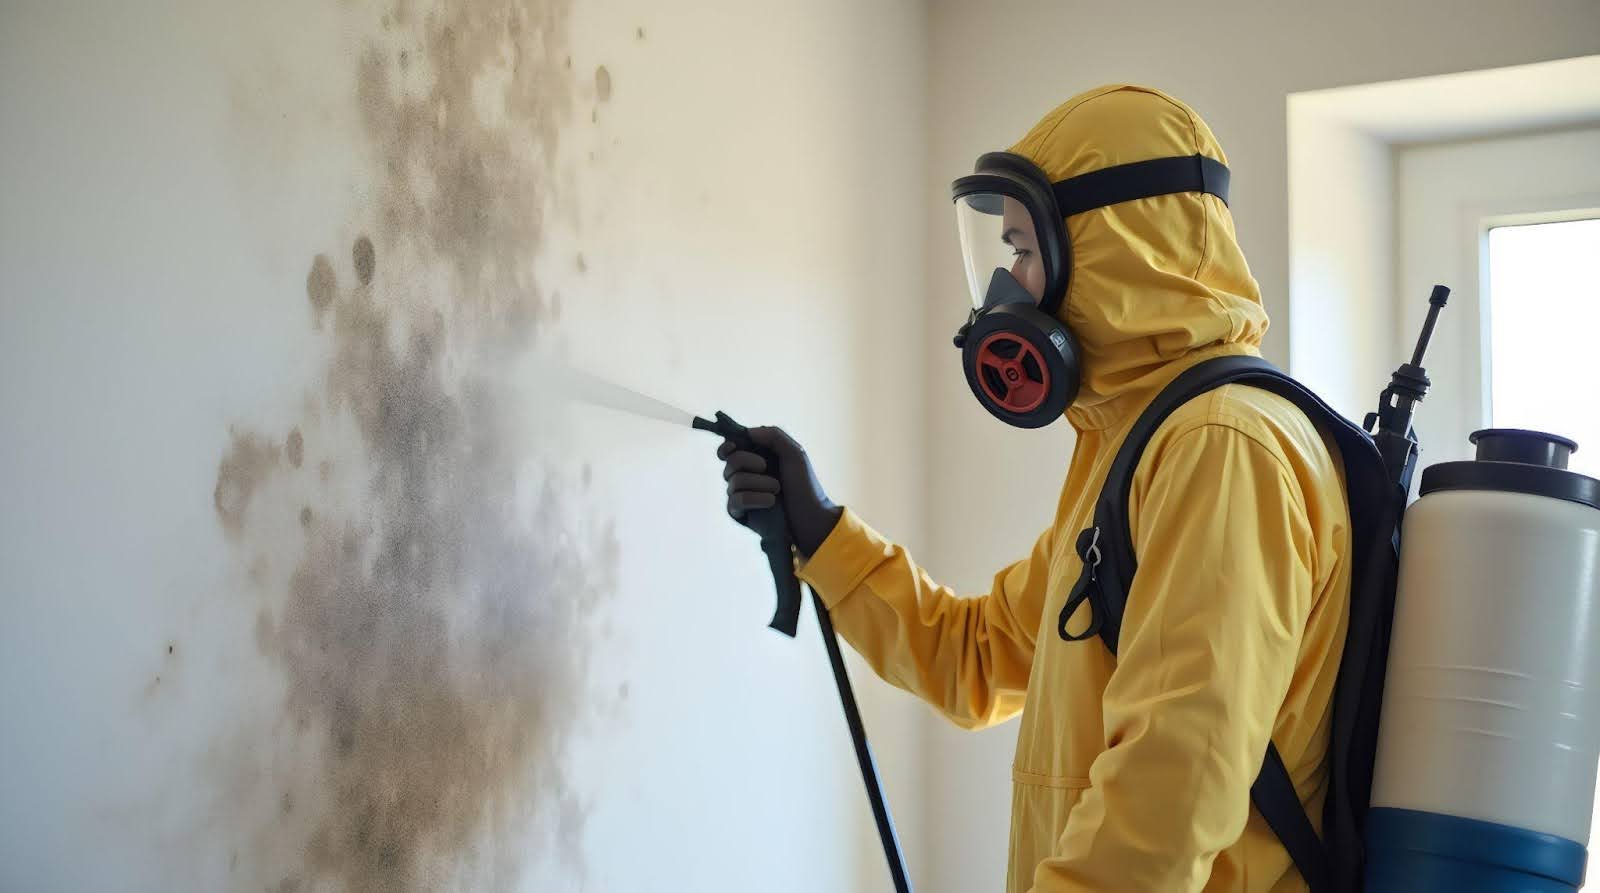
(858, 737)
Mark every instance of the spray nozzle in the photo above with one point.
(727, 427)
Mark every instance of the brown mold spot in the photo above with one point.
(583, 265)
(639, 32)
(244, 467)
(294, 446)
(365, 259)
(321, 284)
(305, 516)
(602, 83)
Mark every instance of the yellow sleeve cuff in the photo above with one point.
(844, 559)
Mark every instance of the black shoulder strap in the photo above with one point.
(1110, 564)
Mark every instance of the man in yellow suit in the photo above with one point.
(1132, 771)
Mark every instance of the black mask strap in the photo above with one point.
(1141, 179)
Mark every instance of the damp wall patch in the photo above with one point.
(432, 631)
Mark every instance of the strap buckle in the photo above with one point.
(1087, 588)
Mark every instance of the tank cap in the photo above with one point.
(1520, 445)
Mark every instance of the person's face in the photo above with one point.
(1018, 233)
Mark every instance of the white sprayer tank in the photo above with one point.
(1490, 732)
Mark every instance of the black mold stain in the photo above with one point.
(294, 446)
(602, 83)
(321, 284)
(433, 638)
(639, 32)
(365, 259)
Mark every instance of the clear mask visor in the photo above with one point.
(998, 231)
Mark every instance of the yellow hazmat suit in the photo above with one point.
(1133, 773)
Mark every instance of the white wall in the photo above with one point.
(565, 682)
(994, 69)
(1341, 231)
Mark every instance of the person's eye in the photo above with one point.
(1020, 253)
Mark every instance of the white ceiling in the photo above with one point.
(1543, 95)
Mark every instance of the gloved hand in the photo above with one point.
(811, 514)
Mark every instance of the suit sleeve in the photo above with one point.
(1210, 638)
(968, 657)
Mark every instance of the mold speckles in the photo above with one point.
(639, 32)
(602, 83)
(432, 630)
(321, 284)
(294, 446)
(582, 265)
(246, 464)
(365, 259)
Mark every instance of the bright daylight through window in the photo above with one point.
(1544, 321)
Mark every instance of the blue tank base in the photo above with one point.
(1422, 852)
(1422, 873)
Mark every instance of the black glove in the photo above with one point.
(811, 514)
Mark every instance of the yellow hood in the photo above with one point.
(1157, 283)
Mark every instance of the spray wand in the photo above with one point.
(772, 527)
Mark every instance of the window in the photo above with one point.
(1544, 331)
